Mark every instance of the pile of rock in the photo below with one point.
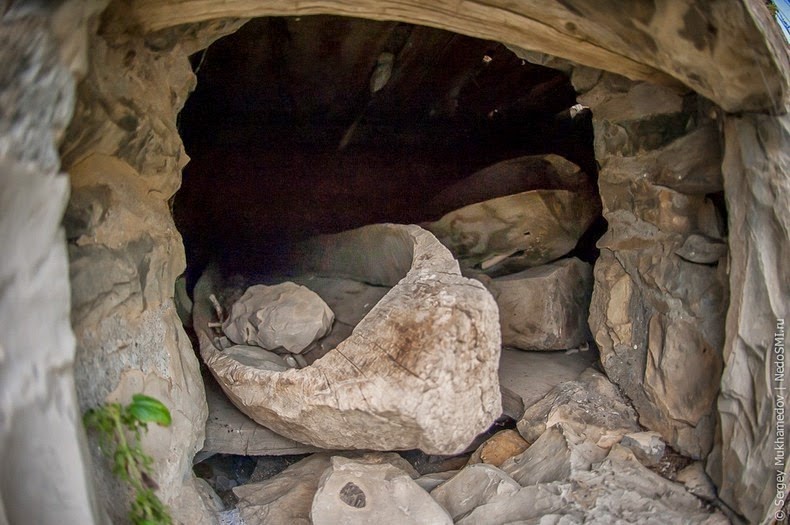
(578, 456)
(514, 222)
(417, 370)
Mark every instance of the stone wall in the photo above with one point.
(124, 155)
(660, 296)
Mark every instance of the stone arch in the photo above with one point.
(126, 157)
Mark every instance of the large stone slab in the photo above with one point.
(545, 308)
(419, 371)
(660, 295)
(757, 186)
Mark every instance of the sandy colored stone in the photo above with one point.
(554, 456)
(499, 447)
(394, 383)
(647, 447)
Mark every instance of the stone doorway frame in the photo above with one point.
(57, 43)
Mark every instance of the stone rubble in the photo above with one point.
(401, 380)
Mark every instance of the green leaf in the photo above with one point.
(149, 410)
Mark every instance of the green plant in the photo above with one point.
(771, 7)
(120, 429)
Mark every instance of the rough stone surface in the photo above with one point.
(591, 406)
(45, 475)
(534, 172)
(514, 232)
(532, 375)
(353, 492)
(124, 156)
(283, 315)
(653, 309)
(545, 308)
(648, 447)
(697, 481)
(499, 447)
(757, 186)
(471, 487)
(229, 431)
(558, 452)
(401, 380)
(617, 490)
(285, 498)
(733, 54)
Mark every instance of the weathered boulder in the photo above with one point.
(554, 456)
(534, 172)
(499, 448)
(590, 405)
(283, 315)
(285, 498)
(125, 256)
(403, 379)
(546, 307)
(355, 492)
(471, 487)
(514, 232)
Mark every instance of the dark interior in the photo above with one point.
(288, 140)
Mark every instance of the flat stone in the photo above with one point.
(702, 250)
(532, 375)
(285, 315)
(428, 482)
(353, 492)
(546, 307)
(471, 487)
(591, 406)
(401, 380)
(696, 481)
